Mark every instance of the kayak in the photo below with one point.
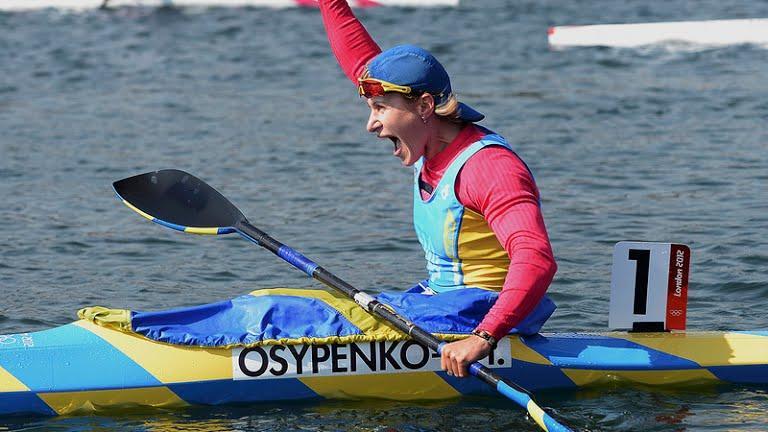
(282, 344)
(84, 367)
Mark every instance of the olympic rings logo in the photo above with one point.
(675, 313)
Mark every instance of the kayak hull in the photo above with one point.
(83, 367)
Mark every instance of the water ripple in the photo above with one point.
(664, 143)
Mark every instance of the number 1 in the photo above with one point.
(643, 258)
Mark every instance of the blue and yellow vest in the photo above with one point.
(459, 246)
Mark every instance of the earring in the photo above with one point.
(424, 120)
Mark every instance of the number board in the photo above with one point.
(649, 286)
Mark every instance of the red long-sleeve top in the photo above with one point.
(494, 183)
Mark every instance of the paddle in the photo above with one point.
(183, 202)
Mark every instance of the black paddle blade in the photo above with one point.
(179, 200)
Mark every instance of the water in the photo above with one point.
(662, 143)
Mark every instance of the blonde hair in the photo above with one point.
(449, 109)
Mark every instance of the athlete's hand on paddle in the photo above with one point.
(457, 356)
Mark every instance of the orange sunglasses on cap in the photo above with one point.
(370, 87)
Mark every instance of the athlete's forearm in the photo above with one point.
(529, 276)
(350, 42)
(497, 184)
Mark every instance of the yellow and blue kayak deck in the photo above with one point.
(101, 362)
(84, 367)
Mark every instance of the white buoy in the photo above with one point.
(715, 33)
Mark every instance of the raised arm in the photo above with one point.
(350, 42)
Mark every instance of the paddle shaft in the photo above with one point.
(373, 306)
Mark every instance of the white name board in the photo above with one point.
(296, 361)
(649, 286)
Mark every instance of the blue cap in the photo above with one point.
(409, 65)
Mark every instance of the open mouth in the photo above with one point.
(395, 142)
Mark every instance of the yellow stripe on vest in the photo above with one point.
(90, 401)
(449, 236)
(484, 261)
(168, 363)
